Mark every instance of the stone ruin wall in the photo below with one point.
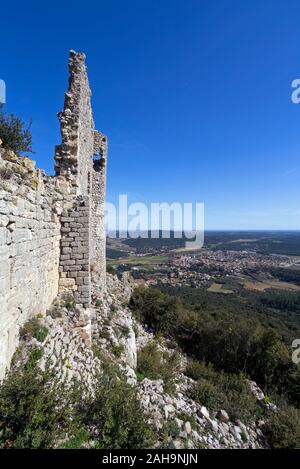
(75, 258)
(98, 232)
(52, 233)
(73, 157)
(29, 247)
(81, 161)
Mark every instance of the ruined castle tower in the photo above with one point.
(52, 233)
(81, 168)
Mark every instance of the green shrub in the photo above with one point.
(217, 332)
(185, 417)
(34, 357)
(97, 352)
(117, 350)
(14, 135)
(33, 328)
(206, 393)
(230, 392)
(69, 302)
(108, 365)
(54, 312)
(170, 429)
(111, 270)
(116, 417)
(124, 331)
(33, 413)
(199, 370)
(139, 376)
(36, 411)
(156, 309)
(283, 428)
(149, 361)
(78, 440)
(42, 334)
(153, 364)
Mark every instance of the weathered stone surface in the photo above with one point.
(52, 228)
(29, 249)
(81, 161)
(223, 416)
(188, 427)
(203, 412)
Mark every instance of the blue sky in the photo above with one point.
(194, 95)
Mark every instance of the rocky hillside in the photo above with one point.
(113, 347)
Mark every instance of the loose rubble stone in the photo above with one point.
(187, 427)
(203, 412)
(223, 416)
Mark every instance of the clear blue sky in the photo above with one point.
(193, 94)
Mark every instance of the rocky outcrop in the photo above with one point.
(52, 233)
(80, 165)
(112, 321)
(193, 426)
(117, 337)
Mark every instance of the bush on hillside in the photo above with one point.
(154, 364)
(33, 328)
(217, 391)
(232, 343)
(14, 135)
(116, 417)
(34, 410)
(157, 310)
(283, 428)
(111, 270)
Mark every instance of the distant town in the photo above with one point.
(162, 264)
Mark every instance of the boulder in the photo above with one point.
(223, 416)
(168, 409)
(203, 412)
(188, 427)
(179, 423)
(213, 424)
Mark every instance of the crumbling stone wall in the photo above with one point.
(52, 232)
(81, 162)
(98, 232)
(30, 207)
(75, 251)
(73, 158)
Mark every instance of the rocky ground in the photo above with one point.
(79, 341)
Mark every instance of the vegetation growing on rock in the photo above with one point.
(223, 346)
(38, 411)
(14, 135)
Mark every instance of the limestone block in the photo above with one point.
(20, 235)
(66, 282)
(4, 219)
